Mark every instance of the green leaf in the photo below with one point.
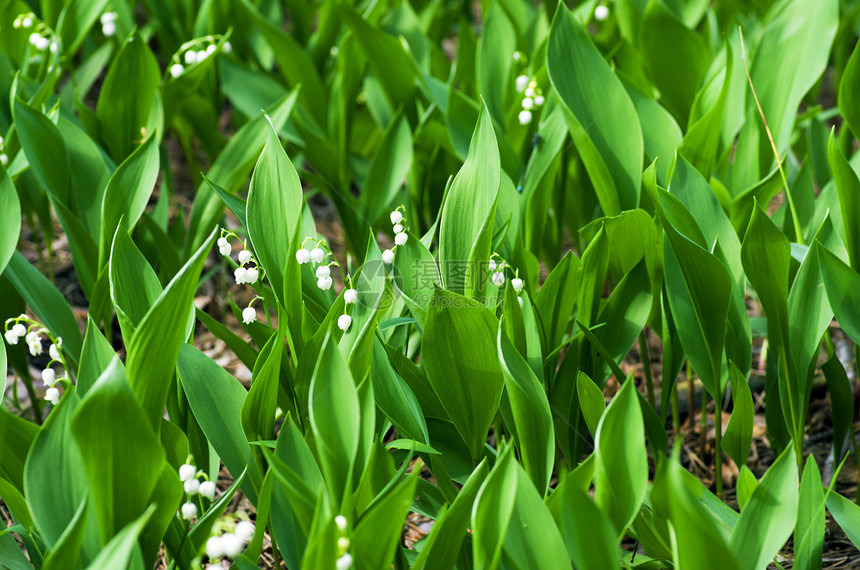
(462, 364)
(134, 286)
(395, 398)
(10, 218)
(588, 533)
(96, 355)
(216, 398)
(610, 143)
(415, 276)
(843, 291)
(737, 439)
(841, 402)
(17, 435)
(557, 297)
(847, 515)
(811, 519)
(120, 450)
(848, 105)
(847, 186)
(388, 168)
(449, 530)
(126, 98)
(119, 552)
(46, 302)
(768, 518)
(493, 62)
(258, 410)
(377, 534)
(590, 400)
(334, 416)
(532, 419)
(67, 548)
(127, 193)
(163, 331)
(621, 471)
(469, 212)
(273, 211)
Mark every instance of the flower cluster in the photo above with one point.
(398, 221)
(196, 52)
(318, 255)
(31, 331)
(24, 21)
(344, 560)
(188, 474)
(108, 20)
(231, 543)
(532, 97)
(41, 43)
(498, 275)
(242, 274)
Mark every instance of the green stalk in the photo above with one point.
(646, 369)
(676, 413)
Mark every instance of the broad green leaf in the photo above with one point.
(469, 212)
(162, 332)
(848, 106)
(10, 218)
(76, 20)
(589, 535)
(216, 400)
(416, 274)
(737, 439)
(274, 208)
(388, 169)
(768, 518)
(462, 364)
(610, 144)
(17, 435)
(847, 186)
(557, 297)
(121, 550)
(377, 534)
(493, 62)
(96, 355)
(532, 419)
(675, 56)
(334, 417)
(811, 519)
(46, 302)
(395, 398)
(127, 193)
(126, 98)
(134, 286)
(841, 402)
(846, 513)
(511, 522)
(67, 549)
(843, 291)
(43, 146)
(258, 410)
(661, 134)
(621, 471)
(590, 400)
(120, 450)
(449, 529)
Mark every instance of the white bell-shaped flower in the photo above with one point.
(187, 472)
(240, 273)
(244, 531)
(388, 256)
(192, 486)
(324, 283)
(176, 70)
(49, 376)
(517, 284)
(344, 562)
(303, 256)
(249, 315)
(350, 296)
(317, 254)
(343, 322)
(244, 256)
(232, 545)
(401, 238)
(52, 395)
(224, 246)
(251, 275)
(522, 81)
(189, 511)
(214, 550)
(11, 337)
(498, 278)
(207, 489)
(323, 271)
(396, 217)
(525, 117)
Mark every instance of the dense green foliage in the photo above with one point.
(524, 191)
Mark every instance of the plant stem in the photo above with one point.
(704, 423)
(646, 369)
(691, 395)
(676, 413)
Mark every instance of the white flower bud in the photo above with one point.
(176, 70)
(350, 296)
(202, 54)
(190, 57)
(539, 100)
(210, 49)
(396, 217)
(214, 550)
(227, 47)
(324, 283)
(344, 562)
(52, 395)
(108, 17)
(207, 489)
(55, 47)
(244, 531)
(35, 346)
(517, 284)
(388, 256)
(192, 486)
(303, 256)
(492, 265)
(21, 330)
(517, 56)
(323, 271)
(109, 29)
(249, 315)
(189, 511)
(34, 39)
(11, 337)
(529, 92)
(528, 103)
(398, 228)
(232, 545)
(241, 274)
(27, 22)
(498, 278)
(4, 160)
(317, 254)
(187, 472)
(251, 275)
(340, 521)
(343, 322)
(224, 246)
(522, 81)
(401, 238)
(43, 43)
(525, 117)
(520, 299)
(601, 13)
(49, 376)
(342, 544)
